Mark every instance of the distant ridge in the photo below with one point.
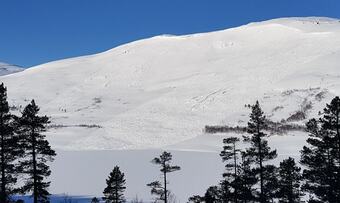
(6, 69)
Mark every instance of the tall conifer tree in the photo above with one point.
(321, 157)
(289, 182)
(9, 150)
(230, 155)
(114, 191)
(157, 188)
(259, 150)
(246, 179)
(37, 152)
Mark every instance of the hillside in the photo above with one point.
(6, 69)
(162, 91)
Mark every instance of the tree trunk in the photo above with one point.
(165, 190)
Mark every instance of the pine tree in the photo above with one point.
(259, 149)
(322, 156)
(330, 123)
(164, 161)
(37, 152)
(270, 188)
(230, 155)
(246, 179)
(114, 191)
(9, 150)
(289, 182)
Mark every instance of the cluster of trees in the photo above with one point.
(249, 177)
(24, 152)
(114, 191)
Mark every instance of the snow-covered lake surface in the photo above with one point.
(84, 172)
(59, 199)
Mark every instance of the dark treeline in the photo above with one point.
(272, 127)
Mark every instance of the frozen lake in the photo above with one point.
(83, 173)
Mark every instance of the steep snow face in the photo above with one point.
(162, 91)
(6, 69)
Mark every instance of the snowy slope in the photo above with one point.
(6, 69)
(162, 91)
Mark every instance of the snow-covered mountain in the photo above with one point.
(6, 69)
(162, 91)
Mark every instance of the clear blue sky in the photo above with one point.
(37, 31)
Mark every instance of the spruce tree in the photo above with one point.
(230, 155)
(259, 150)
(157, 188)
(37, 152)
(321, 157)
(289, 182)
(114, 191)
(9, 150)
